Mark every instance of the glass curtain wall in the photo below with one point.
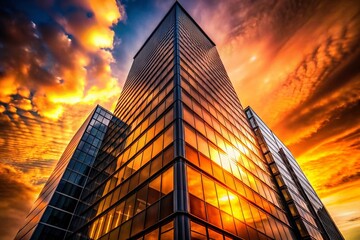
(54, 208)
(306, 209)
(135, 197)
(230, 190)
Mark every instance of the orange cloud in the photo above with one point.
(98, 17)
(55, 63)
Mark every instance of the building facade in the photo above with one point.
(54, 208)
(183, 162)
(305, 207)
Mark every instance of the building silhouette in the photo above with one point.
(182, 160)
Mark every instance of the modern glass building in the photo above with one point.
(305, 207)
(52, 211)
(184, 162)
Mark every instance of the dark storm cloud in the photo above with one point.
(22, 47)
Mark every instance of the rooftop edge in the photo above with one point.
(162, 20)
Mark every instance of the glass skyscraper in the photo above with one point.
(181, 161)
(305, 207)
(52, 211)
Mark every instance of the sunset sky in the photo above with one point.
(295, 62)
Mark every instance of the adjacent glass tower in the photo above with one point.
(52, 211)
(183, 162)
(305, 207)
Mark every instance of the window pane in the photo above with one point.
(213, 235)
(125, 230)
(191, 155)
(129, 208)
(144, 174)
(229, 180)
(197, 207)
(205, 164)
(188, 117)
(241, 229)
(167, 181)
(141, 199)
(203, 145)
(218, 172)
(190, 136)
(168, 155)
(119, 210)
(197, 236)
(214, 154)
(247, 214)
(167, 227)
(154, 235)
(137, 162)
(213, 215)
(169, 235)
(169, 116)
(228, 222)
(210, 192)
(168, 136)
(199, 125)
(154, 190)
(166, 207)
(138, 223)
(186, 99)
(158, 145)
(156, 164)
(197, 228)
(147, 155)
(114, 234)
(235, 206)
(223, 199)
(207, 117)
(152, 214)
(194, 182)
